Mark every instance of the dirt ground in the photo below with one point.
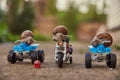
(49, 71)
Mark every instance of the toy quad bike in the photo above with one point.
(63, 53)
(100, 51)
(23, 51)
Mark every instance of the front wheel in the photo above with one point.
(11, 57)
(60, 60)
(88, 60)
(111, 60)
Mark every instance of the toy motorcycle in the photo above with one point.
(100, 53)
(63, 53)
(25, 51)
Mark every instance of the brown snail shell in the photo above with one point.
(60, 29)
(100, 37)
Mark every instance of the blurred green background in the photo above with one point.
(42, 16)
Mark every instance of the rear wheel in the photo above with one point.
(71, 60)
(60, 60)
(37, 55)
(108, 60)
(41, 55)
(11, 57)
(112, 60)
(88, 60)
(33, 56)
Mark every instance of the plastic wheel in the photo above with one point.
(60, 60)
(41, 55)
(33, 56)
(108, 60)
(113, 60)
(11, 57)
(88, 60)
(71, 60)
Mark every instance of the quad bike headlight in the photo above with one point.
(60, 43)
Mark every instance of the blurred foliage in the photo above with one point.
(3, 28)
(6, 36)
(86, 17)
(2, 16)
(117, 47)
(92, 15)
(51, 7)
(12, 37)
(3, 32)
(20, 16)
(39, 37)
(69, 19)
(73, 17)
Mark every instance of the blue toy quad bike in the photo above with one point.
(25, 51)
(100, 53)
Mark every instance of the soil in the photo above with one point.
(49, 70)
